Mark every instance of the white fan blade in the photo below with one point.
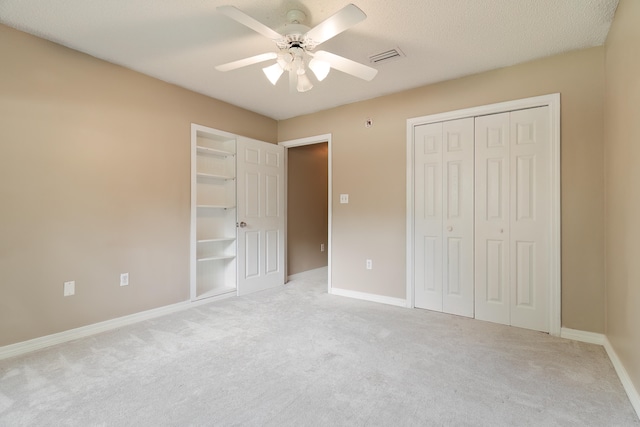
(342, 20)
(346, 65)
(247, 61)
(241, 17)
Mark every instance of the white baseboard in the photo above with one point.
(601, 339)
(583, 336)
(96, 328)
(632, 392)
(369, 297)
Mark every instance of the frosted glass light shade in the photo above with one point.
(319, 68)
(273, 73)
(304, 84)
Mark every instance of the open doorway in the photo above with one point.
(308, 189)
(307, 210)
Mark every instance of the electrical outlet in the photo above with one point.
(69, 288)
(369, 264)
(321, 247)
(344, 198)
(124, 279)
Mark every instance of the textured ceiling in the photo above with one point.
(180, 41)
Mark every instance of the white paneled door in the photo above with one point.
(261, 215)
(457, 204)
(428, 216)
(443, 252)
(530, 218)
(492, 258)
(513, 218)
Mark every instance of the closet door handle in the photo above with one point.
(242, 224)
(449, 228)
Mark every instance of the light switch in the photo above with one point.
(344, 198)
(69, 288)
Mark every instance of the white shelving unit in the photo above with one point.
(213, 213)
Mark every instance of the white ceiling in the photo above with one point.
(180, 41)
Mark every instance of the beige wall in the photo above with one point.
(307, 204)
(622, 149)
(94, 181)
(370, 165)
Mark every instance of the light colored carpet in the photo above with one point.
(297, 356)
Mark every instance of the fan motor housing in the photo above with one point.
(296, 16)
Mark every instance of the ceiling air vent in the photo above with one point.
(386, 56)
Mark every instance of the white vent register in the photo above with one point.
(386, 56)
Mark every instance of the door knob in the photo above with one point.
(449, 228)
(243, 224)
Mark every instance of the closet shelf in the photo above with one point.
(216, 258)
(217, 239)
(214, 176)
(215, 206)
(214, 151)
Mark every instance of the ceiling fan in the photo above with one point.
(296, 47)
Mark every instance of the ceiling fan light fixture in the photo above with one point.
(304, 84)
(285, 60)
(296, 45)
(273, 73)
(320, 68)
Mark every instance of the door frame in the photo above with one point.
(553, 102)
(317, 139)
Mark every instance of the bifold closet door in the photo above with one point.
(428, 216)
(443, 215)
(530, 218)
(492, 219)
(513, 218)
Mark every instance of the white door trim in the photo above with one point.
(297, 143)
(553, 102)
